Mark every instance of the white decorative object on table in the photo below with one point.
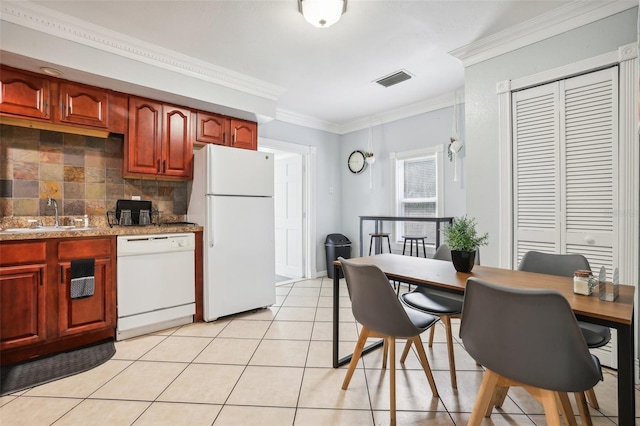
(583, 282)
(608, 291)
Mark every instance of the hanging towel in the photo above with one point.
(82, 278)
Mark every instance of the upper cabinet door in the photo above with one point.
(24, 94)
(212, 128)
(84, 105)
(244, 134)
(177, 142)
(143, 148)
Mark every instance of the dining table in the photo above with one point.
(442, 275)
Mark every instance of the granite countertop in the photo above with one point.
(98, 231)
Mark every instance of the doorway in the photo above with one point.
(292, 195)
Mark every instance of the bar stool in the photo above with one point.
(379, 235)
(414, 239)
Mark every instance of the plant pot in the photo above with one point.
(463, 261)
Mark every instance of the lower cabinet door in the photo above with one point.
(88, 313)
(22, 305)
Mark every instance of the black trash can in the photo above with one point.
(336, 245)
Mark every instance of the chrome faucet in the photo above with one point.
(51, 201)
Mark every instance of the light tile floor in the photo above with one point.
(270, 367)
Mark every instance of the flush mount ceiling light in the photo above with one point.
(322, 13)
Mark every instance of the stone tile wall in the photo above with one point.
(83, 174)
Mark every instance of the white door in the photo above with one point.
(565, 163)
(289, 215)
(565, 168)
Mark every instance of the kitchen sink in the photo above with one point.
(42, 229)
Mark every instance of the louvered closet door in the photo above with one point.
(589, 130)
(536, 170)
(565, 162)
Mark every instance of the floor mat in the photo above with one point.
(27, 374)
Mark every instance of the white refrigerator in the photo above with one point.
(232, 197)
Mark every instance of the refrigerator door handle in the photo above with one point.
(209, 222)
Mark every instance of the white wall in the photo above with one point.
(358, 199)
(481, 101)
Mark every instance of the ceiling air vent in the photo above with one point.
(395, 78)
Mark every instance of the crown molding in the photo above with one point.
(422, 107)
(433, 104)
(50, 22)
(306, 121)
(558, 21)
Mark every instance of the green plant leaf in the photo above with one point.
(462, 235)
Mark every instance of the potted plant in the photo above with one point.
(369, 158)
(463, 240)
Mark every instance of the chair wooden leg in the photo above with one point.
(385, 352)
(551, 410)
(357, 353)
(499, 396)
(452, 362)
(591, 397)
(405, 352)
(392, 379)
(485, 395)
(565, 409)
(425, 363)
(432, 332)
(583, 409)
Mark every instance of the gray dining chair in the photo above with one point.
(443, 304)
(526, 338)
(565, 265)
(376, 307)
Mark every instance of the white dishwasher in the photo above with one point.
(156, 283)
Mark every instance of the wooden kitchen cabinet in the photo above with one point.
(220, 130)
(37, 315)
(49, 102)
(23, 286)
(118, 112)
(85, 105)
(244, 134)
(90, 313)
(213, 128)
(24, 94)
(159, 142)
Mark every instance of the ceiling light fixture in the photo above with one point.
(322, 13)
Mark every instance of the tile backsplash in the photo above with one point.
(83, 174)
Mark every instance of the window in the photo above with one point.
(418, 190)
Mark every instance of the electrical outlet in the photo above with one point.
(331, 189)
(135, 197)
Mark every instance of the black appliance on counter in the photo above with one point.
(113, 217)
